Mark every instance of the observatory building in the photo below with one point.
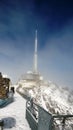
(32, 78)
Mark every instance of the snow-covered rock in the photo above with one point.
(54, 99)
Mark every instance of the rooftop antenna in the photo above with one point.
(35, 54)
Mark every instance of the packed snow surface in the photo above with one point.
(14, 115)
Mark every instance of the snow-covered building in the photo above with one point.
(32, 78)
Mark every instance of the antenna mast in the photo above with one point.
(35, 54)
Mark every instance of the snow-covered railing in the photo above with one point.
(37, 117)
(31, 114)
(40, 119)
(63, 122)
(22, 94)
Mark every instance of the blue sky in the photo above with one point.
(54, 22)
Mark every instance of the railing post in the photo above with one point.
(30, 115)
(45, 120)
(1, 124)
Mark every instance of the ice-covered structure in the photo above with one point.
(32, 78)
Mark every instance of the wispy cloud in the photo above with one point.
(56, 60)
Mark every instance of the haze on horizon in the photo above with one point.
(54, 22)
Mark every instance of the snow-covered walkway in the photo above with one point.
(14, 114)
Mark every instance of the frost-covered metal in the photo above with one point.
(40, 119)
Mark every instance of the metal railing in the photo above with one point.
(63, 122)
(40, 119)
(37, 117)
(32, 114)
